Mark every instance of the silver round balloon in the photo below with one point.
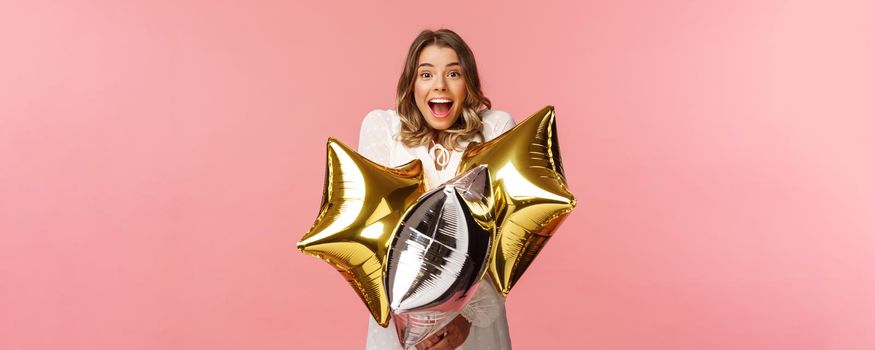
(438, 255)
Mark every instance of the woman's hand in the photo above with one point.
(448, 338)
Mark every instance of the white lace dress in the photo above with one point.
(378, 141)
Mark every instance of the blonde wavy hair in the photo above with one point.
(414, 129)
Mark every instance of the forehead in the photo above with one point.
(437, 56)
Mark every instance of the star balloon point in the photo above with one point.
(362, 203)
(531, 193)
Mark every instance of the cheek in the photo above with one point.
(461, 91)
(419, 90)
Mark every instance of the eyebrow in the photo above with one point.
(431, 65)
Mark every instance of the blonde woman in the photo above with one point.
(439, 109)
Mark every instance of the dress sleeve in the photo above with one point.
(375, 136)
(501, 122)
(507, 125)
(485, 306)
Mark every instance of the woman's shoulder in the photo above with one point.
(496, 118)
(380, 124)
(385, 119)
(380, 116)
(495, 122)
(495, 115)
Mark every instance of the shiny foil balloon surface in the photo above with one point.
(530, 192)
(439, 254)
(362, 204)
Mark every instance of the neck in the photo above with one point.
(435, 136)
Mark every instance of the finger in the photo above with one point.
(441, 334)
(429, 342)
(424, 345)
(444, 344)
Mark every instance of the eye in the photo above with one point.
(455, 74)
(425, 75)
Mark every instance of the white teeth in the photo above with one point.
(440, 100)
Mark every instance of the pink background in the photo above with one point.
(159, 160)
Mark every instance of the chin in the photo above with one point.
(442, 123)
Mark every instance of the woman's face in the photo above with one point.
(439, 89)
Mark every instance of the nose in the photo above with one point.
(439, 85)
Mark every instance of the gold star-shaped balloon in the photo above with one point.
(362, 203)
(531, 195)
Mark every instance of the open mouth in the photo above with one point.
(440, 107)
